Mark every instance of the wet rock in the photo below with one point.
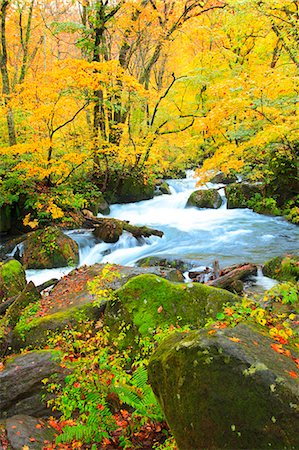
(23, 430)
(164, 188)
(49, 248)
(205, 198)
(109, 230)
(12, 279)
(21, 386)
(227, 389)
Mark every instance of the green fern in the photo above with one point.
(139, 396)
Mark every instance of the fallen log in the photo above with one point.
(241, 272)
(47, 284)
(109, 229)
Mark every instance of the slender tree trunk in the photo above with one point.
(4, 73)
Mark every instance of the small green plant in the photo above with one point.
(264, 205)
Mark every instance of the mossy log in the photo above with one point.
(109, 230)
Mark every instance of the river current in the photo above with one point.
(198, 235)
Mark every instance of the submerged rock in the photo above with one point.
(229, 389)
(49, 248)
(205, 198)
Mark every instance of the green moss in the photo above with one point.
(12, 279)
(205, 198)
(153, 302)
(50, 248)
(214, 390)
(283, 268)
(239, 195)
(37, 331)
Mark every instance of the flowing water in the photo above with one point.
(198, 235)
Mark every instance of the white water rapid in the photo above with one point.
(198, 235)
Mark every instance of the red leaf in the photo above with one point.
(277, 348)
(293, 374)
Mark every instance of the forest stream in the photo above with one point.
(197, 235)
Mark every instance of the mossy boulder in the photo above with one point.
(164, 188)
(12, 279)
(35, 332)
(228, 389)
(29, 295)
(109, 230)
(238, 194)
(132, 189)
(153, 302)
(222, 178)
(21, 386)
(49, 248)
(205, 198)
(282, 268)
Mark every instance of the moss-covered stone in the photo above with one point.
(109, 230)
(12, 279)
(228, 389)
(238, 194)
(153, 302)
(164, 188)
(49, 248)
(205, 198)
(29, 295)
(36, 332)
(283, 268)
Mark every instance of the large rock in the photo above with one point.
(229, 389)
(49, 248)
(23, 430)
(151, 302)
(21, 386)
(109, 231)
(282, 268)
(205, 198)
(12, 279)
(35, 332)
(238, 194)
(29, 295)
(222, 178)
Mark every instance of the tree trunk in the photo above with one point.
(5, 78)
